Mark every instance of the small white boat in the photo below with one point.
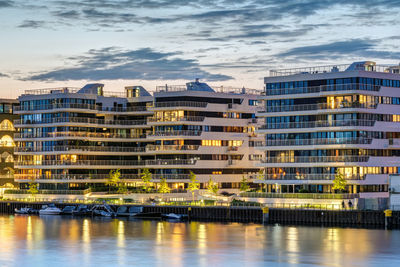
(25, 210)
(49, 210)
(173, 216)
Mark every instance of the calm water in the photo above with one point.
(63, 241)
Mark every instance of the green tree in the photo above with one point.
(194, 184)
(33, 188)
(212, 187)
(163, 188)
(244, 185)
(339, 183)
(113, 180)
(261, 177)
(122, 188)
(146, 178)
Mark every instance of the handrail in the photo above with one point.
(93, 107)
(289, 108)
(180, 104)
(177, 119)
(171, 147)
(105, 162)
(176, 133)
(315, 124)
(80, 149)
(299, 195)
(81, 120)
(323, 88)
(325, 141)
(86, 176)
(315, 159)
(308, 176)
(78, 134)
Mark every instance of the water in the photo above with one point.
(64, 241)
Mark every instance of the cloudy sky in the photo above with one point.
(56, 43)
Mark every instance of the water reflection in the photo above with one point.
(67, 241)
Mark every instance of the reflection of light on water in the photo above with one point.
(160, 232)
(86, 239)
(177, 245)
(29, 237)
(121, 242)
(292, 245)
(202, 239)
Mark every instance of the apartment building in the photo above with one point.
(71, 138)
(320, 121)
(7, 142)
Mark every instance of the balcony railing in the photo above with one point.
(321, 106)
(219, 89)
(299, 195)
(316, 159)
(326, 141)
(79, 135)
(73, 176)
(79, 149)
(323, 88)
(179, 119)
(105, 162)
(310, 176)
(176, 133)
(193, 104)
(80, 120)
(316, 124)
(171, 147)
(79, 106)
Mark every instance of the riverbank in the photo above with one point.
(346, 218)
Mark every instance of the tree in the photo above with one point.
(212, 187)
(261, 178)
(33, 188)
(244, 185)
(194, 184)
(163, 189)
(146, 178)
(114, 178)
(122, 188)
(339, 183)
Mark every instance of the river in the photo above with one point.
(65, 241)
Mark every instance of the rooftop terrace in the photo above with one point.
(361, 66)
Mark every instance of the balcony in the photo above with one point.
(79, 135)
(179, 119)
(321, 106)
(317, 124)
(77, 149)
(299, 195)
(64, 163)
(310, 176)
(315, 159)
(313, 142)
(79, 120)
(95, 177)
(323, 88)
(176, 104)
(175, 133)
(171, 147)
(90, 107)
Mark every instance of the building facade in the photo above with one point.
(321, 121)
(71, 138)
(7, 143)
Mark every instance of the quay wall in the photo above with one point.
(352, 218)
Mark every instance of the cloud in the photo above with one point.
(34, 24)
(5, 3)
(364, 48)
(2, 75)
(113, 63)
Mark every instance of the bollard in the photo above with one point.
(388, 213)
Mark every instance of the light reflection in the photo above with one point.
(292, 246)
(29, 235)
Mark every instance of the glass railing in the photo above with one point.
(80, 149)
(74, 176)
(78, 134)
(325, 141)
(316, 159)
(313, 176)
(179, 119)
(79, 106)
(299, 195)
(343, 105)
(105, 162)
(323, 88)
(81, 120)
(176, 133)
(315, 124)
(180, 104)
(171, 147)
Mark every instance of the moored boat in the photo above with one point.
(24, 210)
(49, 210)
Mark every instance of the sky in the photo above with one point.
(60, 43)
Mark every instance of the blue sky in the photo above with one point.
(153, 42)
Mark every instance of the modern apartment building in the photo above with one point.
(71, 138)
(322, 120)
(7, 141)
